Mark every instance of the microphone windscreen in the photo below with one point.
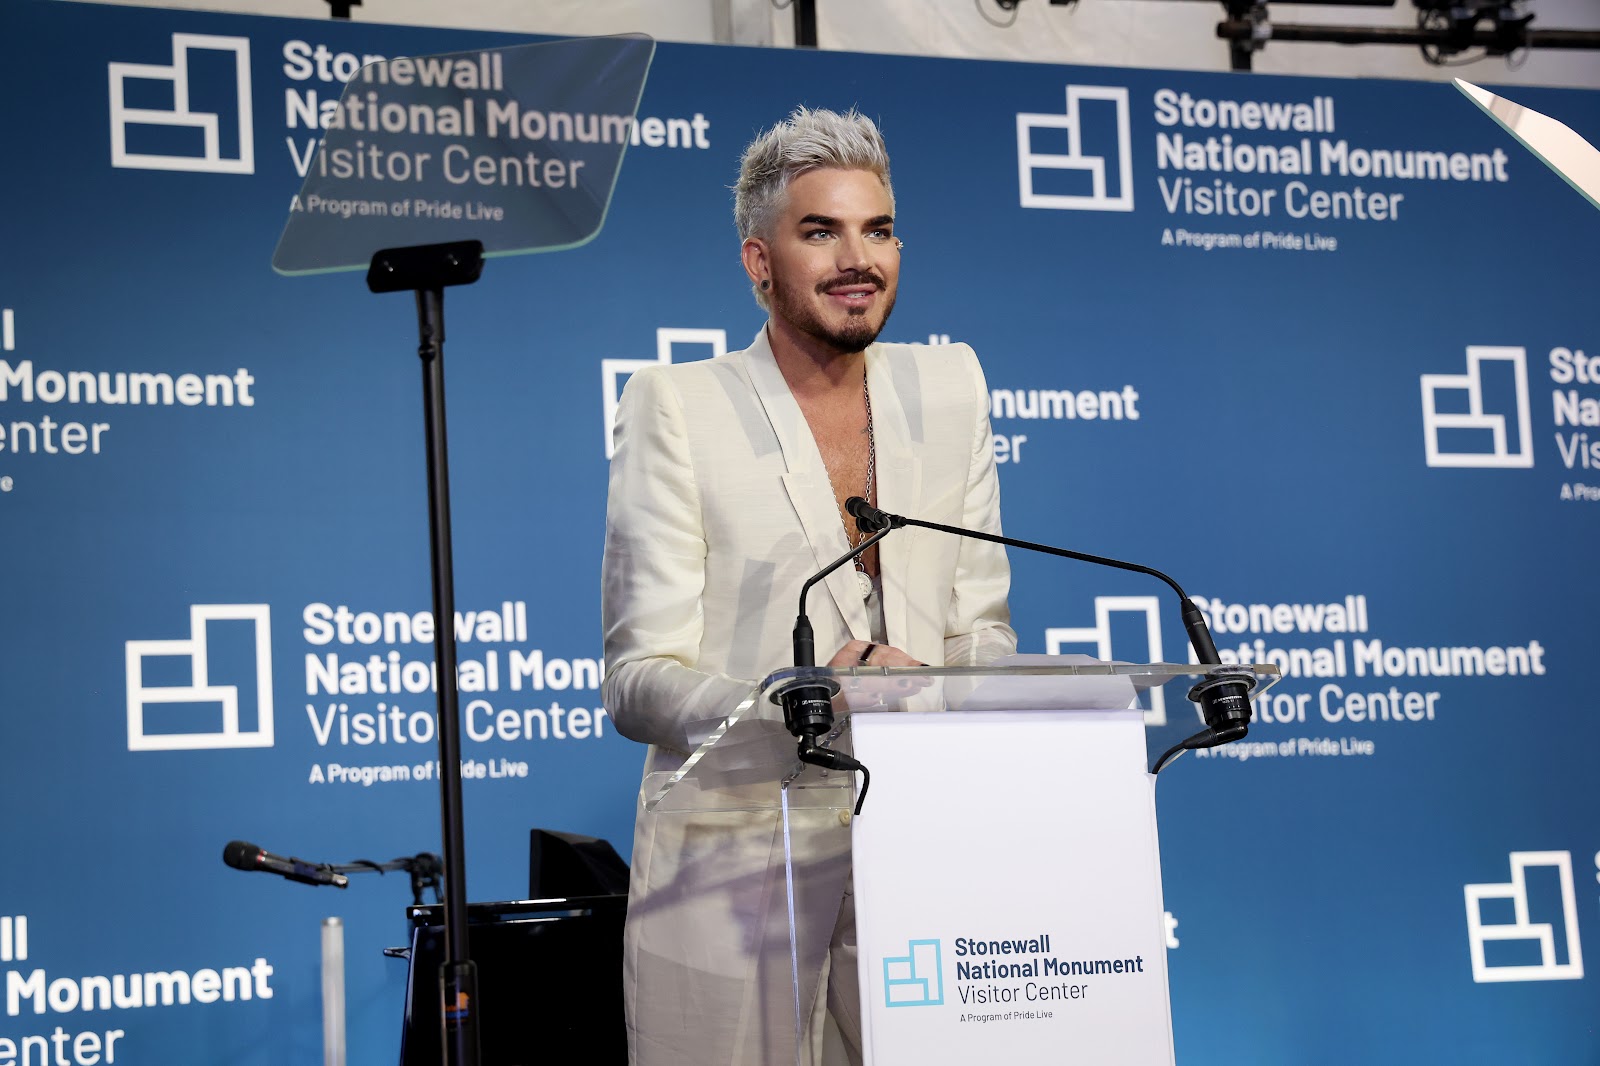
(241, 856)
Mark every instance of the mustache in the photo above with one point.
(854, 277)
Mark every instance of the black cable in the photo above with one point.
(1171, 753)
(1206, 738)
(1001, 4)
(866, 783)
(1434, 54)
(812, 754)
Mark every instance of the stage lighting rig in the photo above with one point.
(1506, 21)
(1445, 30)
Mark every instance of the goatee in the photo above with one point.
(854, 334)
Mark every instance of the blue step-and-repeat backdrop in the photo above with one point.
(1326, 350)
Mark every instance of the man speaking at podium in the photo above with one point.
(727, 492)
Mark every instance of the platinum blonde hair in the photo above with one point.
(809, 139)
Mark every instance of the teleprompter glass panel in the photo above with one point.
(516, 147)
(1557, 145)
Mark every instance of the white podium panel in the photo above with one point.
(1008, 890)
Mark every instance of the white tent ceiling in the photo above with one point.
(1144, 33)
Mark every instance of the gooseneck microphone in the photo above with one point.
(1223, 697)
(808, 701)
(243, 856)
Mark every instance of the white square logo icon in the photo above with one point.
(1099, 635)
(613, 371)
(179, 113)
(1563, 963)
(1479, 436)
(1099, 197)
(191, 706)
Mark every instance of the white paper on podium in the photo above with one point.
(1008, 891)
(1022, 693)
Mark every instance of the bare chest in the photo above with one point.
(841, 433)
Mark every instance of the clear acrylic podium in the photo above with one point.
(1005, 864)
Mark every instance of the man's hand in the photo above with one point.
(860, 653)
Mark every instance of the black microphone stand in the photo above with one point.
(807, 700)
(425, 869)
(427, 270)
(1224, 695)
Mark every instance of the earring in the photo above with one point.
(765, 284)
(899, 244)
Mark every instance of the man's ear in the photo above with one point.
(754, 255)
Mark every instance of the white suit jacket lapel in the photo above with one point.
(810, 492)
(899, 483)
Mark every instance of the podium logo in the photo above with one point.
(614, 371)
(210, 690)
(915, 979)
(1057, 639)
(1464, 416)
(1552, 965)
(159, 116)
(1118, 155)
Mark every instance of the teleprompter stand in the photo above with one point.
(427, 270)
(433, 236)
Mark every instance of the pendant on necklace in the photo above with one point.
(865, 581)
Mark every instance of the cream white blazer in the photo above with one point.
(719, 510)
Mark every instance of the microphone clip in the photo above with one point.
(869, 519)
(1224, 700)
(807, 702)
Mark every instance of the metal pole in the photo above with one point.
(805, 23)
(1242, 30)
(458, 982)
(333, 1038)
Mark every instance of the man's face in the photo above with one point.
(833, 258)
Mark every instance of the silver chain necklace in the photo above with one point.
(864, 579)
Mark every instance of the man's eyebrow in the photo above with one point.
(825, 220)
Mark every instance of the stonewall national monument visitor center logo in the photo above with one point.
(915, 979)
(1479, 418)
(1095, 173)
(211, 689)
(1541, 887)
(1096, 640)
(190, 114)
